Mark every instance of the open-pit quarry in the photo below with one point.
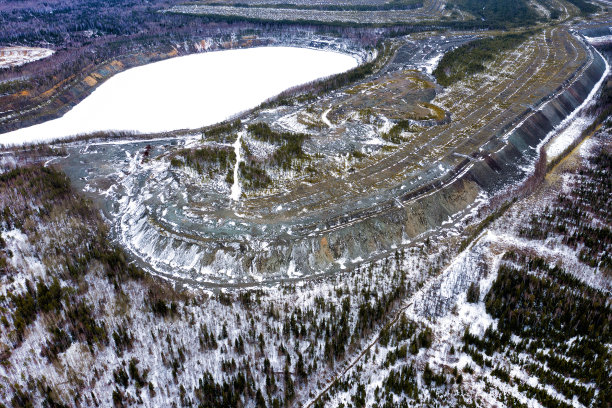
(306, 203)
(326, 183)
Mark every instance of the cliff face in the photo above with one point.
(506, 160)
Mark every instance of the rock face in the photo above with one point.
(505, 159)
(150, 213)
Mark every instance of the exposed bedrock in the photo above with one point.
(285, 256)
(247, 251)
(505, 161)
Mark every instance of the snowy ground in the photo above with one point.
(16, 56)
(173, 350)
(441, 304)
(188, 92)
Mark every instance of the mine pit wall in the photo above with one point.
(503, 164)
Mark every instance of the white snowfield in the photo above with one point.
(16, 56)
(599, 40)
(188, 92)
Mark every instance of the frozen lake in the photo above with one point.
(188, 92)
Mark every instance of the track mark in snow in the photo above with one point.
(324, 118)
(236, 190)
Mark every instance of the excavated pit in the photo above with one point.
(180, 227)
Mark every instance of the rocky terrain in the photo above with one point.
(431, 228)
(314, 197)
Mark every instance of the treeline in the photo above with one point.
(67, 22)
(290, 144)
(585, 7)
(35, 200)
(37, 196)
(252, 171)
(223, 132)
(506, 12)
(470, 58)
(403, 381)
(10, 87)
(211, 160)
(374, 309)
(391, 5)
(253, 176)
(262, 131)
(394, 135)
(497, 20)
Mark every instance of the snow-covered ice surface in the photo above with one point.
(188, 92)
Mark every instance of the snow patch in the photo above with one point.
(16, 56)
(236, 190)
